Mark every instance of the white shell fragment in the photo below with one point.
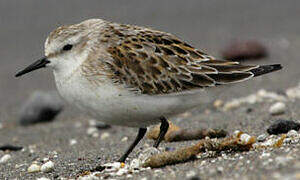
(104, 135)
(33, 168)
(261, 96)
(262, 137)
(92, 131)
(292, 133)
(47, 167)
(89, 177)
(245, 138)
(42, 178)
(277, 108)
(72, 142)
(294, 92)
(5, 158)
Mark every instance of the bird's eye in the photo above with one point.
(67, 47)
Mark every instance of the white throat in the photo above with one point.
(66, 65)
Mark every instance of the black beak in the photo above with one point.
(41, 63)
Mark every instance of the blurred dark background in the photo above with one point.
(208, 25)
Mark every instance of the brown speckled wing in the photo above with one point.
(154, 62)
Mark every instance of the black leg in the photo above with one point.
(140, 135)
(163, 130)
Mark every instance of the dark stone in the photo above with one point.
(283, 126)
(40, 107)
(195, 178)
(244, 50)
(170, 149)
(101, 125)
(249, 110)
(8, 147)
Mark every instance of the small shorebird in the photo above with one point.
(133, 76)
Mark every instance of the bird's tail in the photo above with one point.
(264, 69)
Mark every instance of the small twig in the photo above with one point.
(232, 143)
(185, 135)
(176, 134)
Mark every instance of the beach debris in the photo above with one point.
(175, 133)
(237, 142)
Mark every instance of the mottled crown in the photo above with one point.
(70, 34)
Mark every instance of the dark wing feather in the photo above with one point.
(154, 62)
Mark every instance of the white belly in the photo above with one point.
(118, 106)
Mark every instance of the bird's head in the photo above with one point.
(66, 47)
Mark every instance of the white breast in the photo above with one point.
(117, 106)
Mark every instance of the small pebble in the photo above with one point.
(32, 148)
(92, 131)
(45, 159)
(101, 125)
(33, 168)
(265, 155)
(237, 133)
(5, 158)
(88, 177)
(268, 95)
(218, 103)
(220, 169)
(104, 135)
(287, 141)
(170, 149)
(195, 178)
(135, 163)
(47, 167)
(129, 176)
(277, 108)
(190, 174)
(283, 126)
(72, 142)
(92, 122)
(42, 178)
(121, 172)
(269, 142)
(262, 137)
(98, 124)
(124, 139)
(293, 93)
